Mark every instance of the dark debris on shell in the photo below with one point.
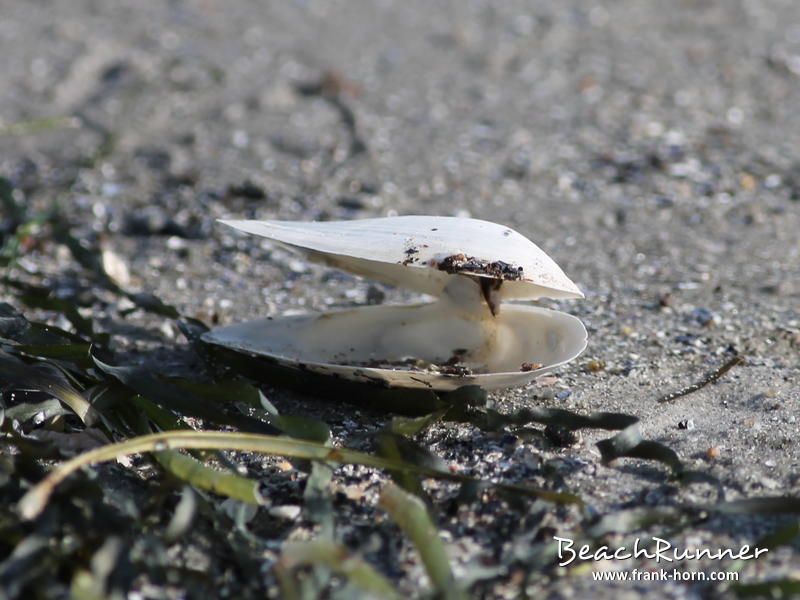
(498, 269)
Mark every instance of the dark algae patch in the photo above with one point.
(411, 257)
(497, 269)
(490, 274)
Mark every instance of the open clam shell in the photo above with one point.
(468, 336)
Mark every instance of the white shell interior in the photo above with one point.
(361, 343)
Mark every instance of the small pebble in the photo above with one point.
(559, 435)
(176, 243)
(351, 203)
(509, 442)
(712, 453)
(686, 424)
(149, 220)
(288, 511)
(526, 366)
(595, 365)
(703, 317)
(748, 182)
(247, 190)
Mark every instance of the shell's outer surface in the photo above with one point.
(375, 343)
(424, 253)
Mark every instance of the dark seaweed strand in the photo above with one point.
(710, 378)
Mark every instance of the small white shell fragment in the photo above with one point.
(468, 336)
